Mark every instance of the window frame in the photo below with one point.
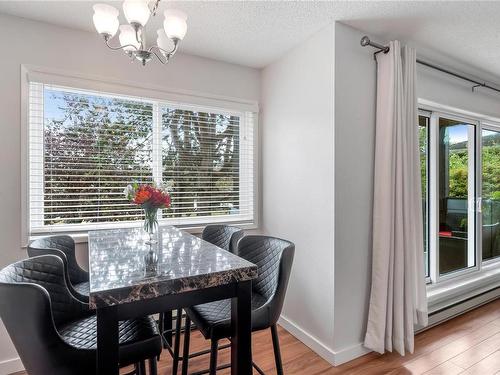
(493, 126)
(460, 280)
(159, 95)
(434, 230)
(427, 114)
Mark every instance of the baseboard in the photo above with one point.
(10, 366)
(335, 358)
(312, 342)
(350, 353)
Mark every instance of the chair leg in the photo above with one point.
(277, 352)
(160, 322)
(177, 342)
(161, 329)
(185, 351)
(167, 326)
(141, 370)
(153, 368)
(214, 348)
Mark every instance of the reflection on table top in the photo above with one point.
(118, 260)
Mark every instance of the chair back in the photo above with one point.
(273, 257)
(223, 236)
(64, 247)
(33, 300)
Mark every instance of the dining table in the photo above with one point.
(131, 277)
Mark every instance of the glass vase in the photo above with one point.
(151, 224)
(151, 262)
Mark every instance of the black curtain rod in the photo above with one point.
(365, 41)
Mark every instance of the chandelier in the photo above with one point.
(132, 37)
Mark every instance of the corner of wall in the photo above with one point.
(297, 147)
(355, 91)
(335, 358)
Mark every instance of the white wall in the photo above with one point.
(297, 177)
(81, 52)
(355, 88)
(355, 98)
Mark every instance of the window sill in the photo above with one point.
(446, 294)
(82, 237)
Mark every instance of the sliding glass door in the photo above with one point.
(490, 207)
(460, 165)
(456, 194)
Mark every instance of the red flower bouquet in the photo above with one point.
(150, 198)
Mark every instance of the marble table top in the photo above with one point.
(123, 268)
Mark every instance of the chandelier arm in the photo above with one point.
(159, 58)
(166, 53)
(119, 47)
(154, 8)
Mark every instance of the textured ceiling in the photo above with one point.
(255, 33)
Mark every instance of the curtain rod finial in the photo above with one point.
(365, 41)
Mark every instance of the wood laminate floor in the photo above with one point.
(468, 344)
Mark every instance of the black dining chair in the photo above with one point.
(274, 258)
(55, 333)
(224, 236)
(64, 247)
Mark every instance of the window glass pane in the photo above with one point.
(423, 137)
(456, 189)
(491, 193)
(201, 159)
(93, 146)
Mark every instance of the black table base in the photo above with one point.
(241, 348)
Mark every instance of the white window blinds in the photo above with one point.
(85, 147)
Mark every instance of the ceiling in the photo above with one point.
(255, 33)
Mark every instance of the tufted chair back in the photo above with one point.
(64, 247)
(223, 236)
(273, 257)
(33, 296)
(46, 271)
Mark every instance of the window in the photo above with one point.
(86, 146)
(460, 163)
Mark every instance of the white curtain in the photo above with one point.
(398, 297)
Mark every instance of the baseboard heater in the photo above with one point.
(461, 307)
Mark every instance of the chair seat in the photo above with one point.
(214, 319)
(138, 338)
(83, 288)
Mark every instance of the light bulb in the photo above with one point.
(105, 19)
(136, 11)
(163, 42)
(128, 38)
(175, 24)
